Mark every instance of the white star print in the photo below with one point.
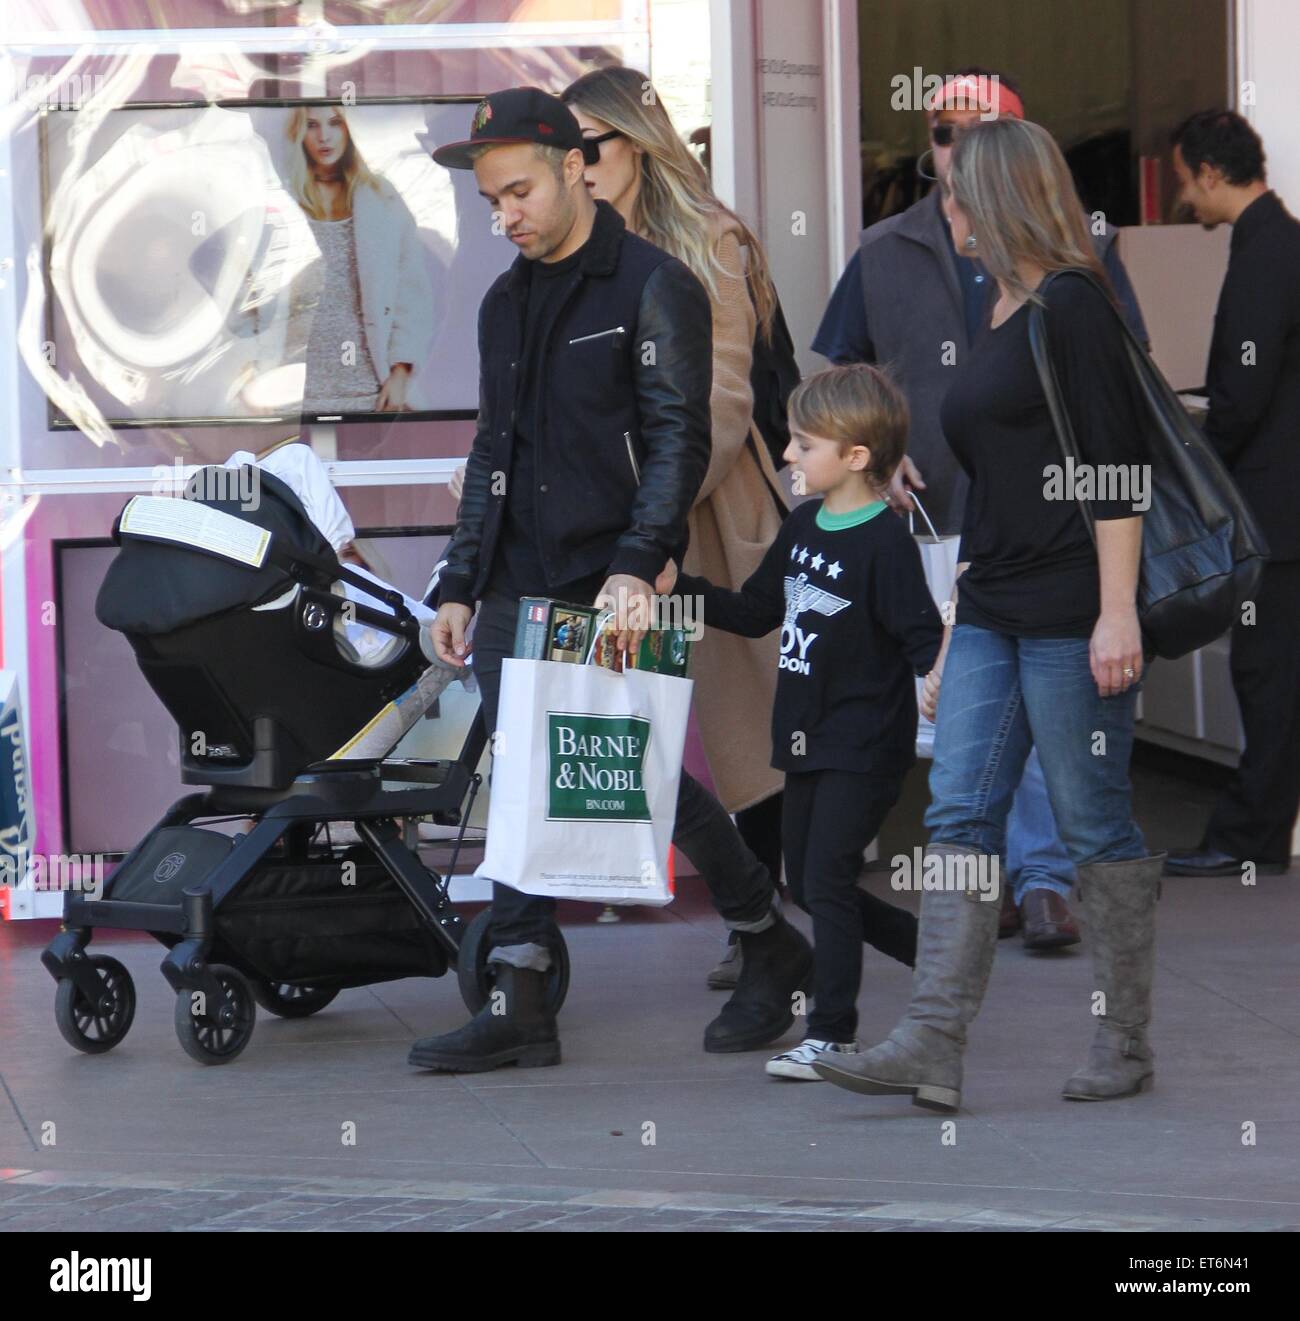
(834, 569)
(794, 552)
(817, 560)
(803, 556)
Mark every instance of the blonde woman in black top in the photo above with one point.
(1045, 648)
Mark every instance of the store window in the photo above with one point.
(178, 253)
(162, 271)
(1110, 79)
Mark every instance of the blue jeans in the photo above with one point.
(1036, 858)
(1001, 694)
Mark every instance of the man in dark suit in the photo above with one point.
(1253, 382)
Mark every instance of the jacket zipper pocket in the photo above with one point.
(631, 455)
(600, 334)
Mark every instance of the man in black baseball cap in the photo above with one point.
(530, 127)
(593, 439)
(519, 114)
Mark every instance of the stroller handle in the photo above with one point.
(401, 621)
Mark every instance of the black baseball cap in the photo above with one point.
(518, 114)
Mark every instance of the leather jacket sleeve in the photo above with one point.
(673, 379)
(456, 582)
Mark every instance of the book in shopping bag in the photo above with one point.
(548, 629)
(585, 771)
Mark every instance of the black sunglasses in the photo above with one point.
(944, 135)
(603, 137)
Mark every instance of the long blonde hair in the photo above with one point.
(676, 208)
(1011, 180)
(302, 185)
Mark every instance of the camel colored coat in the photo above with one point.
(732, 524)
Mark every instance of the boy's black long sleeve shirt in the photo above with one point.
(857, 624)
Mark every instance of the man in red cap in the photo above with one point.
(906, 299)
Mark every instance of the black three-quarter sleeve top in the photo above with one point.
(1033, 567)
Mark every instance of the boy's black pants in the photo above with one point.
(829, 818)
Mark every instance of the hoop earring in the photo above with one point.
(921, 170)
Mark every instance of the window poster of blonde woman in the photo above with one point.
(295, 261)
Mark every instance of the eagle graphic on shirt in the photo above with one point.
(802, 595)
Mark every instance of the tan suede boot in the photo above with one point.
(1119, 901)
(956, 942)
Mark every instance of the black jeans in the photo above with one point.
(740, 886)
(760, 828)
(830, 818)
(1256, 814)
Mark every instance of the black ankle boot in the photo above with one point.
(889, 929)
(774, 964)
(523, 1034)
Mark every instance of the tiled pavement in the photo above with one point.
(142, 1138)
(35, 1202)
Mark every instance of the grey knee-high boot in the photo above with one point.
(955, 945)
(1119, 901)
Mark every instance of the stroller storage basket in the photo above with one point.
(324, 922)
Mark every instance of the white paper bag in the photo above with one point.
(585, 769)
(939, 560)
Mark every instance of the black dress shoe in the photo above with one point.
(1211, 862)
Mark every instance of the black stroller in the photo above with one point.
(240, 621)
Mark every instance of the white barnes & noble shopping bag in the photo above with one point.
(585, 768)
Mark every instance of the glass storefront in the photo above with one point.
(168, 266)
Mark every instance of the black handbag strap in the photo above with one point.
(1061, 423)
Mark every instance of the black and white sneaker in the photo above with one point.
(798, 1063)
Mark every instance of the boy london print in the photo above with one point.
(801, 595)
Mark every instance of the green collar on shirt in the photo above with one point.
(838, 522)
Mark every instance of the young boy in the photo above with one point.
(843, 581)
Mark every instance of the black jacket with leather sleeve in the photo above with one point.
(622, 440)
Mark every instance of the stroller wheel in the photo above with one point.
(475, 977)
(96, 1027)
(217, 1033)
(291, 1001)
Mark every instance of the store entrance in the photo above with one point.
(1109, 80)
